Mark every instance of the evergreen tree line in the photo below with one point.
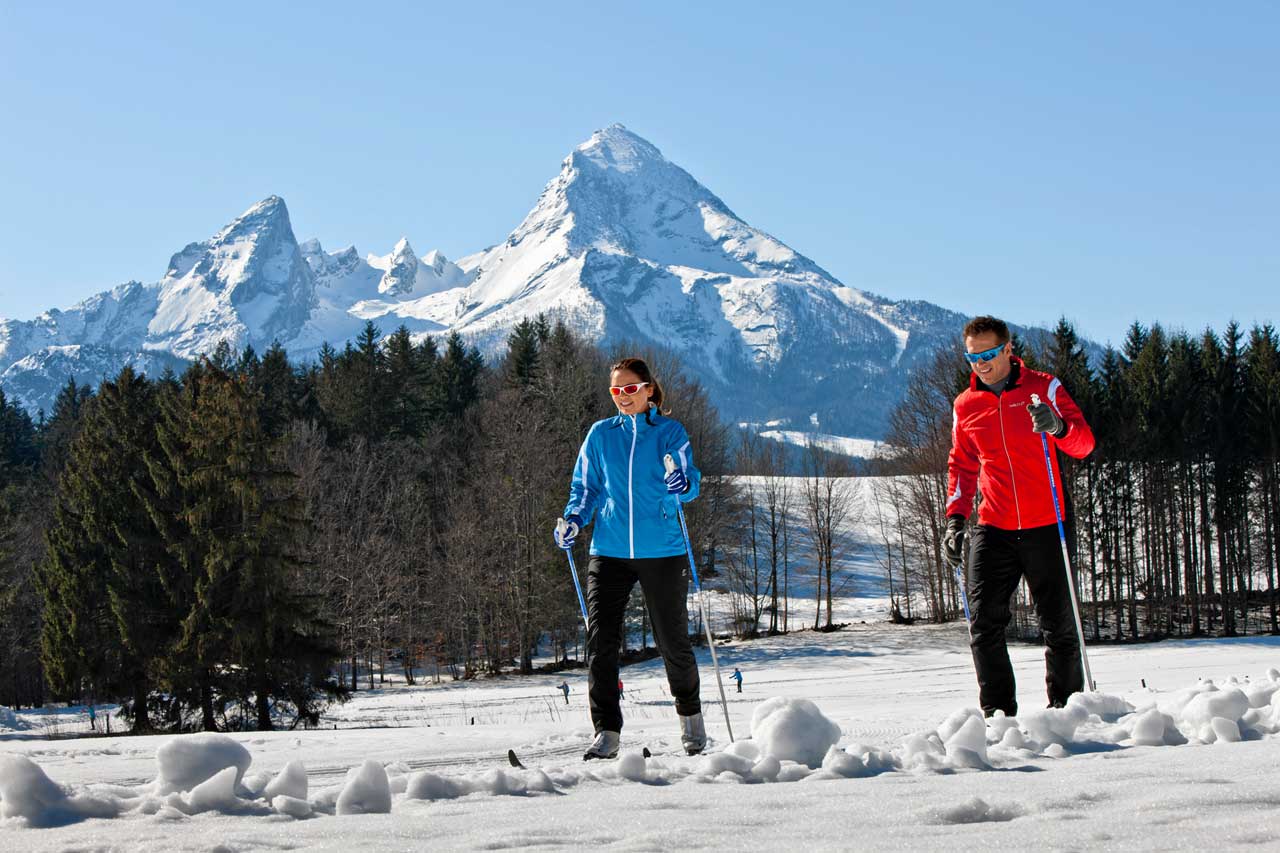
(1176, 513)
(234, 546)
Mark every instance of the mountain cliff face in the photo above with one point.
(622, 244)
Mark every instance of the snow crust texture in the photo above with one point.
(792, 740)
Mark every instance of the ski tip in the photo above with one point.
(514, 759)
(646, 753)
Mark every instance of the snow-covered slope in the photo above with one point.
(628, 246)
(623, 244)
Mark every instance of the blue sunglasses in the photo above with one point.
(985, 355)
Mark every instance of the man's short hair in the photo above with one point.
(982, 325)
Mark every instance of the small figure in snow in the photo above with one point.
(93, 718)
(737, 676)
(621, 483)
(621, 694)
(996, 450)
(564, 687)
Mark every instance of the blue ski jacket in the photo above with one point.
(619, 477)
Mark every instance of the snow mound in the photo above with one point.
(1212, 703)
(1152, 728)
(432, 786)
(366, 792)
(216, 794)
(292, 807)
(1102, 705)
(793, 730)
(289, 782)
(202, 774)
(1050, 726)
(26, 792)
(188, 760)
(766, 769)
(840, 763)
(631, 766)
(966, 742)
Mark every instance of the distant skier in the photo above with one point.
(621, 693)
(737, 676)
(564, 687)
(996, 448)
(620, 481)
(93, 718)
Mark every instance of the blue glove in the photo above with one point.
(567, 533)
(677, 482)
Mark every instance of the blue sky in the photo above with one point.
(1109, 162)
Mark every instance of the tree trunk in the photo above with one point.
(208, 722)
(141, 719)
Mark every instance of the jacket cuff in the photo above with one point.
(1061, 432)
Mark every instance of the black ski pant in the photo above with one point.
(666, 589)
(998, 559)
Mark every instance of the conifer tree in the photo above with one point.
(1263, 388)
(406, 383)
(523, 346)
(460, 373)
(246, 633)
(108, 472)
(277, 386)
(79, 644)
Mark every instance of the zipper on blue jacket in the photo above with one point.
(631, 503)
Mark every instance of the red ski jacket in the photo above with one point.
(994, 449)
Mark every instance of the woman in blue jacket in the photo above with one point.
(620, 481)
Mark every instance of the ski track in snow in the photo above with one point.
(913, 766)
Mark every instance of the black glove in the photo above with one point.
(953, 541)
(1045, 419)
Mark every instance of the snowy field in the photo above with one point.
(1188, 762)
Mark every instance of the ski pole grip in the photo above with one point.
(1035, 399)
(561, 526)
(669, 463)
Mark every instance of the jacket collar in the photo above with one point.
(1015, 373)
(621, 420)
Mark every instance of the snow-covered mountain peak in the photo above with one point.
(247, 284)
(619, 149)
(401, 267)
(437, 261)
(623, 244)
(267, 216)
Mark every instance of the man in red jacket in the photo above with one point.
(996, 449)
